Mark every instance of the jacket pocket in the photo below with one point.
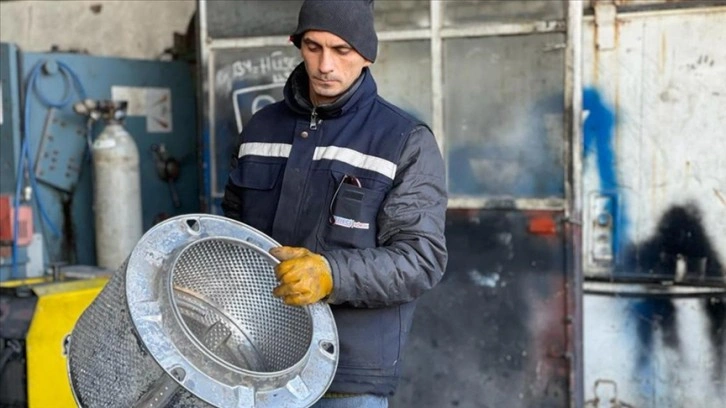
(351, 218)
(255, 185)
(256, 175)
(368, 338)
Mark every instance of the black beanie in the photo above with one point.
(351, 20)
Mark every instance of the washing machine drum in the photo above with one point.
(190, 321)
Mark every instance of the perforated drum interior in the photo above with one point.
(193, 309)
(221, 291)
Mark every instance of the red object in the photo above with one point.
(542, 225)
(25, 222)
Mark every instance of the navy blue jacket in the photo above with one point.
(362, 183)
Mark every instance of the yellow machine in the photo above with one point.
(36, 319)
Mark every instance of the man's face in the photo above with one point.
(332, 65)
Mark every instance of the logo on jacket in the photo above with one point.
(348, 223)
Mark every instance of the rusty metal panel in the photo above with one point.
(654, 178)
(494, 333)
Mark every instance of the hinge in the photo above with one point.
(605, 24)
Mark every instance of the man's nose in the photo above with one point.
(326, 62)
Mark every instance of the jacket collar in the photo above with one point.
(297, 96)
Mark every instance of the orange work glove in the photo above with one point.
(304, 276)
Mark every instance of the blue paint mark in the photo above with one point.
(598, 133)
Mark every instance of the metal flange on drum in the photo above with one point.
(190, 321)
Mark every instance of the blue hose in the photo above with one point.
(72, 82)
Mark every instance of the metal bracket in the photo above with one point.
(605, 23)
(601, 229)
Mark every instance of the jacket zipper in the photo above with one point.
(314, 120)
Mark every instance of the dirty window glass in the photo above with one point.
(256, 18)
(478, 11)
(403, 75)
(251, 18)
(503, 116)
(402, 14)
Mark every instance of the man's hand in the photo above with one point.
(304, 276)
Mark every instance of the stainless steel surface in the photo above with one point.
(106, 366)
(160, 394)
(198, 290)
(223, 287)
(199, 273)
(164, 389)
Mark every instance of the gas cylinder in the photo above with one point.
(116, 187)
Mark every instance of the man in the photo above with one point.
(355, 189)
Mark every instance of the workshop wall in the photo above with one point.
(128, 29)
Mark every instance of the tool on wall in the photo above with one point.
(168, 169)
